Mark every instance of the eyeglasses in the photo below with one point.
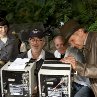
(36, 40)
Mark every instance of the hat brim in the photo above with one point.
(39, 36)
(68, 29)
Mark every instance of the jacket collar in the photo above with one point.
(88, 42)
(41, 56)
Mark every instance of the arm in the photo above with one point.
(89, 68)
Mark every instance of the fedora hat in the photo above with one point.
(69, 28)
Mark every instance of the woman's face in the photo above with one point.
(3, 30)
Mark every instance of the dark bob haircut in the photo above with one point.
(4, 22)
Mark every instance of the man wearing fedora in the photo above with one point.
(78, 37)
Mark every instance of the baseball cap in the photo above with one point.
(36, 33)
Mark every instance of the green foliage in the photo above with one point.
(50, 12)
(93, 27)
(22, 11)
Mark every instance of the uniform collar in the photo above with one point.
(41, 56)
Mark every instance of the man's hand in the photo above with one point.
(71, 60)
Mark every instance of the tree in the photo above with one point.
(50, 12)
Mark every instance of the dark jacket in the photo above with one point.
(9, 50)
(89, 69)
(48, 55)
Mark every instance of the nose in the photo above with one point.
(34, 42)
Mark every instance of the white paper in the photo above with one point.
(19, 63)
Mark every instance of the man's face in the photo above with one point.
(77, 39)
(59, 44)
(36, 44)
(3, 30)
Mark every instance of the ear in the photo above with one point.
(29, 40)
(44, 43)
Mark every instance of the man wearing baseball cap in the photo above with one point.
(78, 37)
(37, 42)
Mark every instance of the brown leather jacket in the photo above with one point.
(89, 69)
